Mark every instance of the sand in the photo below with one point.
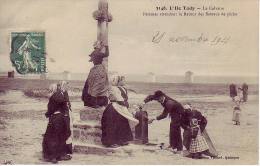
(22, 124)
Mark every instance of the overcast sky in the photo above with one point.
(71, 30)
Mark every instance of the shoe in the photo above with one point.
(65, 157)
(196, 157)
(54, 161)
(113, 146)
(178, 152)
(124, 143)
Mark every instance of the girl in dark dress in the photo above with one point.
(194, 124)
(54, 141)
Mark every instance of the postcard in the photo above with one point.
(142, 82)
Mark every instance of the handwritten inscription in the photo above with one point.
(158, 37)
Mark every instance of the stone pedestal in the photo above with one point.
(87, 137)
(87, 132)
(91, 114)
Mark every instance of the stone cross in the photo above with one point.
(103, 17)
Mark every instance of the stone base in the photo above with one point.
(85, 148)
(87, 128)
(128, 150)
(87, 136)
(87, 132)
(93, 114)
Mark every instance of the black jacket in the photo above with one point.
(172, 108)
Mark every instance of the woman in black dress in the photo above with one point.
(54, 141)
(116, 130)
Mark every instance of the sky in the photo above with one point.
(71, 31)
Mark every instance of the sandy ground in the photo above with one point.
(22, 124)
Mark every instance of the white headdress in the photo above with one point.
(114, 79)
(63, 85)
(53, 88)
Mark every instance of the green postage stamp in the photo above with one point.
(28, 52)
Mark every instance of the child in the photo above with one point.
(236, 111)
(198, 144)
(194, 124)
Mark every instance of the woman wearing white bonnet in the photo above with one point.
(67, 115)
(64, 85)
(116, 130)
(52, 88)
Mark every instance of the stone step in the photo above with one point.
(129, 150)
(94, 138)
(88, 113)
(87, 124)
(87, 132)
(86, 148)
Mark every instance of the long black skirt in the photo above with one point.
(186, 139)
(54, 141)
(115, 127)
(68, 148)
